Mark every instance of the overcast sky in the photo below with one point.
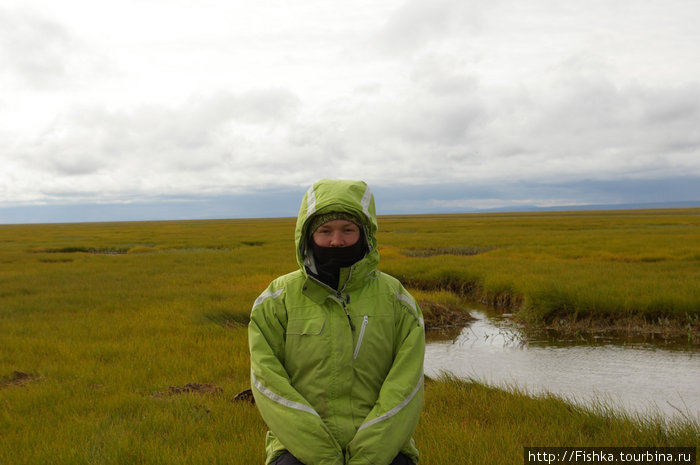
(505, 102)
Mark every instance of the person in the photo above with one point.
(337, 346)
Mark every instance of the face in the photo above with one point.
(337, 233)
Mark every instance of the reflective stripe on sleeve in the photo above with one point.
(267, 295)
(281, 400)
(407, 300)
(394, 410)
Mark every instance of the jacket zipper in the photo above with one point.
(346, 300)
(345, 308)
(339, 296)
(359, 338)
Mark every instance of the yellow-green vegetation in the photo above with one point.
(619, 268)
(467, 422)
(125, 343)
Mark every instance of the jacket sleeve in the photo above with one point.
(391, 422)
(287, 414)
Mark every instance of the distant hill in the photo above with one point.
(269, 205)
(619, 206)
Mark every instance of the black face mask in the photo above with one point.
(329, 260)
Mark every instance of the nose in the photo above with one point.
(336, 239)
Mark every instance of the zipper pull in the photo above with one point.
(343, 302)
(352, 326)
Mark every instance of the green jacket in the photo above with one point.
(332, 392)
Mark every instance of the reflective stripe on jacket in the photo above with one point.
(338, 375)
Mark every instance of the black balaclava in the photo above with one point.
(329, 260)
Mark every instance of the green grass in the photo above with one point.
(103, 319)
(467, 422)
(609, 266)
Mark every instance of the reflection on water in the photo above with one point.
(639, 378)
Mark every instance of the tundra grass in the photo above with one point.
(467, 422)
(641, 265)
(107, 330)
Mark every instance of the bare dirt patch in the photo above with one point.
(441, 316)
(18, 378)
(190, 388)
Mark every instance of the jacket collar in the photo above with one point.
(351, 278)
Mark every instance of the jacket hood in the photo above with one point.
(335, 195)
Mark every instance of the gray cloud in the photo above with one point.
(445, 126)
(631, 130)
(451, 127)
(418, 24)
(480, 93)
(36, 49)
(156, 144)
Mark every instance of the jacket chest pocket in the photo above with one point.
(374, 340)
(305, 343)
(306, 327)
